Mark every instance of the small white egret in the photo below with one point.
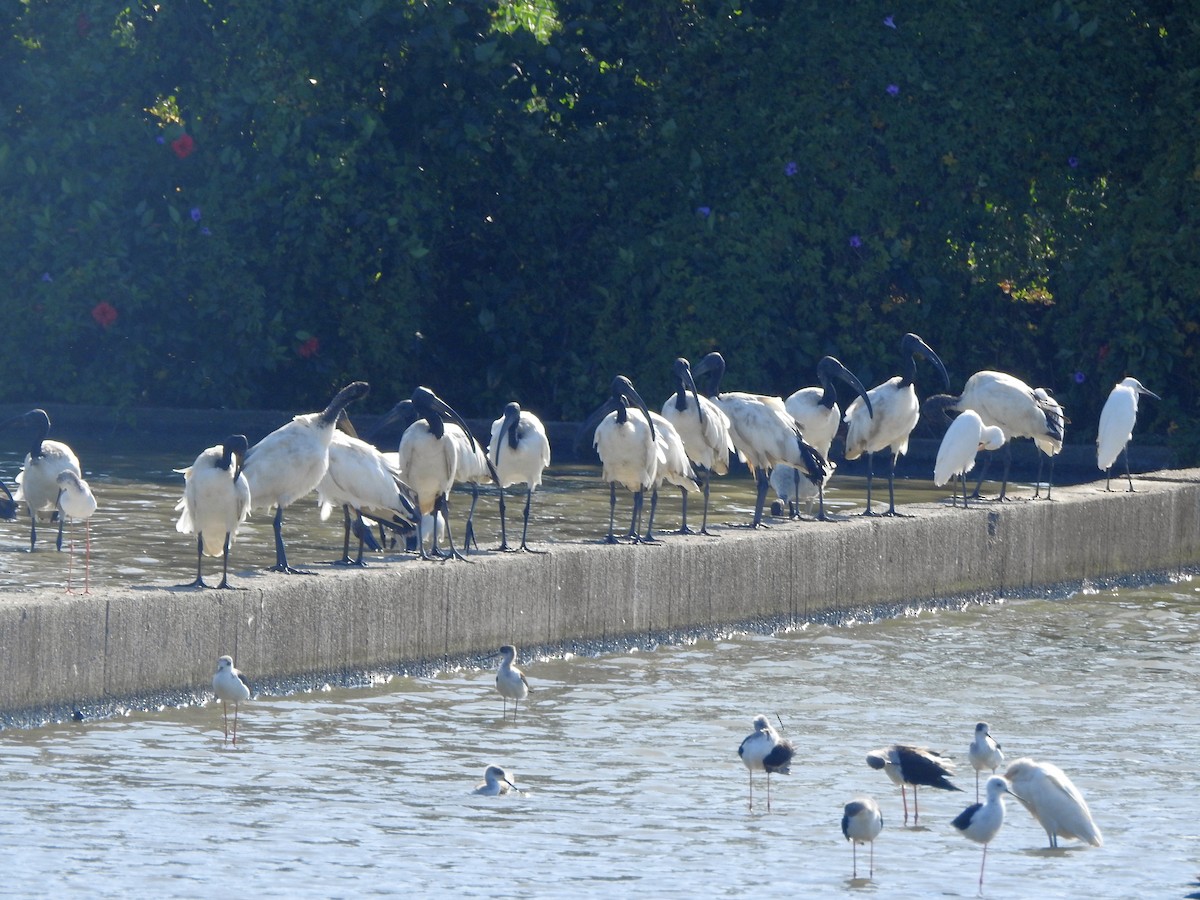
(895, 412)
(230, 686)
(981, 821)
(1048, 794)
(76, 503)
(291, 461)
(1049, 446)
(704, 428)
(917, 766)
(763, 750)
(763, 433)
(1117, 419)
(496, 782)
(215, 502)
(627, 444)
(37, 482)
(511, 681)
(520, 452)
(984, 753)
(861, 824)
(965, 437)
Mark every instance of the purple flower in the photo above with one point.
(890, 21)
(1080, 378)
(704, 211)
(46, 277)
(160, 139)
(790, 169)
(855, 241)
(195, 214)
(206, 232)
(893, 89)
(1073, 162)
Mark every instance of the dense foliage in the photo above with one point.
(226, 203)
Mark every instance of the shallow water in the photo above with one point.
(630, 770)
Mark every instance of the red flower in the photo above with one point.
(183, 146)
(104, 313)
(309, 348)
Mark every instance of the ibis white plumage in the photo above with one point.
(76, 503)
(626, 442)
(981, 822)
(37, 482)
(1050, 447)
(215, 502)
(1052, 799)
(896, 412)
(291, 461)
(704, 429)
(763, 750)
(965, 437)
(1117, 419)
(861, 824)
(473, 468)
(672, 466)
(230, 686)
(520, 452)
(984, 753)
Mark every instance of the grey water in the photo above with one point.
(629, 770)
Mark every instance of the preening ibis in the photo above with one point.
(215, 502)
(1049, 447)
(37, 482)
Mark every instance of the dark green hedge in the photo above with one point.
(247, 204)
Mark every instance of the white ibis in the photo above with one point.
(861, 824)
(626, 442)
(981, 821)
(672, 466)
(215, 502)
(473, 468)
(1048, 794)
(76, 503)
(1117, 419)
(291, 461)
(704, 428)
(916, 766)
(511, 681)
(763, 433)
(965, 437)
(37, 482)
(230, 686)
(984, 753)
(763, 750)
(896, 412)
(520, 452)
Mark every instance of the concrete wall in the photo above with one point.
(157, 644)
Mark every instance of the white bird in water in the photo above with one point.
(1007, 402)
(230, 686)
(520, 452)
(763, 432)
(626, 442)
(917, 766)
(705, 431)
(981, 821)
(984, 753)
(291, 461)
(1049, 447)
(215, 502)
(965, 437)
(37, 482)
(511, 681)
(861, 824)
(765, 751)
(1048, 794)
(1117, 419)
(76, 503)
(895, 414)
(496, 781)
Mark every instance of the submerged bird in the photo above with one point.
(291, 461)
(918, 766)
(37, 482)
(1117, 419)
(861, 823)
(984, 753)
(981, 821)
(520, 452)
(230, 686)
(496, 781)
(1053, 800)
(215, 502)
(765, 751)
(510, 681)
(76, 503)
(965, 437)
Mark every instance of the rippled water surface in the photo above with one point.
(630, 770)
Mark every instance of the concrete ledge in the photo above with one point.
(150, 645)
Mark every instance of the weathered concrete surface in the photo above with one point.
(61, 652)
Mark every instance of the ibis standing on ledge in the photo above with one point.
(215, 502)
(37, 482)
(520, 452)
